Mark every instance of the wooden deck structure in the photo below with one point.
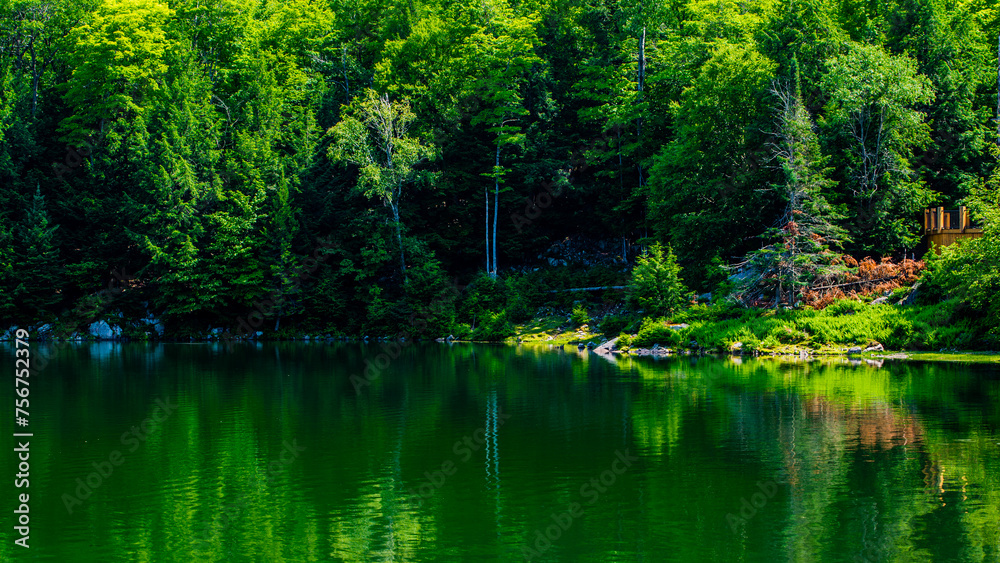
(942, 227)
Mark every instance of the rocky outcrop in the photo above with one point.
(607, 347)
(101, 330)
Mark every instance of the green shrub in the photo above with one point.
(656, 285)
(579, 316)
(745, 337)
(523, 297)
(718, 311)
(462, 331)
(769, 342)
(844, 307)
(787, 334)
(624, 340)
(970, 269)
(658, 332)
(484, 295)
(613, 324)
(495, 327)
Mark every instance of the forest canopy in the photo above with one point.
(349, 160)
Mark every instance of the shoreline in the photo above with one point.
(956, 356)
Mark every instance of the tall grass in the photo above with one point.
(843, 323)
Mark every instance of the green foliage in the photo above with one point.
(844, 307)
(703, 182)
(430, 298)
(873, 107)
(579, 316)
(523, 297)
(494, 327)
(36, 276)
(483, 296)
(805, 232)
(970, 270)
(118, 61)
(843, 324)
(183, 142)
(611, 325)
(656, 285)
(375, 138)
(656, 331)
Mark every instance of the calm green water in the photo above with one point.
(474, 453)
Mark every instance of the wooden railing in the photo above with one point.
(943, 227)
(938, 219)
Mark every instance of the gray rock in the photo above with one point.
(854, 350)
(101, 330)
(10, 333)
(157, 325)
(876, 348)
(912, 297)
(679, 327)
(607, 347)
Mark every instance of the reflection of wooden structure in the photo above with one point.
(943, 227)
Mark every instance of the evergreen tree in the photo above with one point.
(37, 269)
(806, 229)
(656, 286)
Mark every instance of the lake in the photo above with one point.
(291, 452)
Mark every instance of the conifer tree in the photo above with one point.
(37, 269)
(806, 230)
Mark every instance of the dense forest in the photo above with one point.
(347, 166)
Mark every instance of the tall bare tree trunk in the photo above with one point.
(399, 238)
(496, 207)
(486, 192)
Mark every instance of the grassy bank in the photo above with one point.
(846, 324)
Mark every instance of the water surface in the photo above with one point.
(274, 452)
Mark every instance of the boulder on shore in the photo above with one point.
(607, 347)
(101, 330)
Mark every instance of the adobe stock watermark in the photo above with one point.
(391, 350)
(86, 311)
(73, 159)
(133, 437)
(592, 490)
(552, 189)
(749, 508)
(289, 453)
(248, 324)
(463, 449)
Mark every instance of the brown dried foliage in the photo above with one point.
(866, 277)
